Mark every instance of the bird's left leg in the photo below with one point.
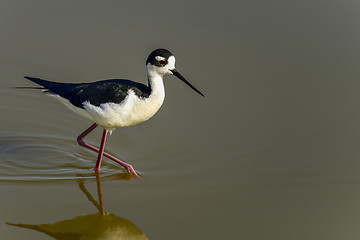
(80, 138)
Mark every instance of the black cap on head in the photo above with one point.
(158, 52)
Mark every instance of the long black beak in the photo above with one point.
(176, 73)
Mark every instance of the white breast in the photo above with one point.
(133, 110)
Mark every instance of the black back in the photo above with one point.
(113, 90)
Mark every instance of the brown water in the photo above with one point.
(271, 152)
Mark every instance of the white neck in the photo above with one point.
(155, 81)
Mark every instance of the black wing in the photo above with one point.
(113, 90)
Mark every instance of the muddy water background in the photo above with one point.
(271, 152)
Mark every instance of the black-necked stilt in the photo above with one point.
(116, 102)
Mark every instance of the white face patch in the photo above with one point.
(153, 70)
(159, 58)
(171, 62)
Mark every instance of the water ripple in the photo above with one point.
(49, 158)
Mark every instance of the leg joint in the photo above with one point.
(80, 140)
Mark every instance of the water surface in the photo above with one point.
(271, 152)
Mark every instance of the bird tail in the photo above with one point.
(43, 83)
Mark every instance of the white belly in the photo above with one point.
(133, 110)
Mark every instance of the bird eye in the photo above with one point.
(162, 62)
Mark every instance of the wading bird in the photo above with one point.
(116, 102)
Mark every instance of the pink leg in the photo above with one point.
(101, 150)
(80, 140)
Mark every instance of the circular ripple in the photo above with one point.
(49, 158)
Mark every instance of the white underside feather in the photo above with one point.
(131, 111)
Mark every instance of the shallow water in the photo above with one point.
(271, 152)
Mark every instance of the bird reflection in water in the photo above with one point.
(101, 225)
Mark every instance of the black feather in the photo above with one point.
(113, 90)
